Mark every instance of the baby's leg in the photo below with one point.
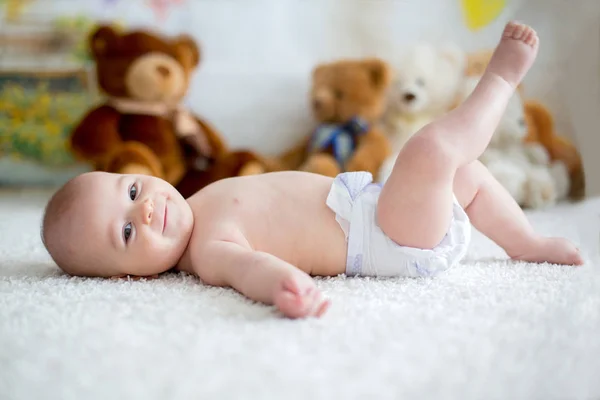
(415, 206)
(494, 212)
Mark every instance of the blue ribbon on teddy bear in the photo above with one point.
(341, 137)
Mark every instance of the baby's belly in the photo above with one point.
(307, 237)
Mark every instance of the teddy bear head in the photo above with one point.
(427, 79)
(346, 89)
(142, 66)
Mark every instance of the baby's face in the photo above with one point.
(136, 224)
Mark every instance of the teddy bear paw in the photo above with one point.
(357, 164)
(537, 153)
(323, 164)
(135, 169)
(541, 191)
(252, 168)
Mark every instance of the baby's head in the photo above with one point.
(110, 225)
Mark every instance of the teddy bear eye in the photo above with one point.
(338, 94)
(420, 82)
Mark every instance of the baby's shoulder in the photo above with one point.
(204, 236)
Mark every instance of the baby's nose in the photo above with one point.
(147, 211)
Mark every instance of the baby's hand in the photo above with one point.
(297, 296)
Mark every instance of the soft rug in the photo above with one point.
(488, 329)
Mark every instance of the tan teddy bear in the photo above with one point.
(347, 98)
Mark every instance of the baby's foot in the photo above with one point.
(298, 297)
(552, 250)
(515, 53)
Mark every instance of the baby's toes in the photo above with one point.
(573, 256)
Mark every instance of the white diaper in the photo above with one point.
(353, 197)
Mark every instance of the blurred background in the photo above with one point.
(254, 76)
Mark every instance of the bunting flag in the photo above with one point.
(161, 7)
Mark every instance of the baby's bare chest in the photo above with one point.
(291, 221)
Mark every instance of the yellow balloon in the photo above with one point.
(479, 13)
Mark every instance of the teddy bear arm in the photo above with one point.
(134, 157)
(96, 134)
(154, 132)
(370, 154)
(322, 164)
(536, 153)
(562, 149)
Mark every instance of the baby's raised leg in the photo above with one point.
(494, 213)
(415, 206)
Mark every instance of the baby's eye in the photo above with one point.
(127, 232)
(133, 192)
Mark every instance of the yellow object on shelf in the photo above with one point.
(480, 13)
(14, 9)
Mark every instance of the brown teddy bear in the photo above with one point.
(142, 126)
(348, 98)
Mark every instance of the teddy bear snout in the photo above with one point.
(322, 101)
(409, 97)
(317, 104)
(163, 71)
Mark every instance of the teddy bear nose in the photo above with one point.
(409, 97)
(164, 71)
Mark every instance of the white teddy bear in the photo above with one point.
(524, 169)
(427, 79)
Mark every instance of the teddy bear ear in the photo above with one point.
(379, 72)
(318, 71)
(453, 53)
(187, 46)
(102, 40)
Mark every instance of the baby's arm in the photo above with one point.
(261, 277)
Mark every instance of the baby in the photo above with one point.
(265, 235)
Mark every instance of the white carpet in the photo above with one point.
(489, 329)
